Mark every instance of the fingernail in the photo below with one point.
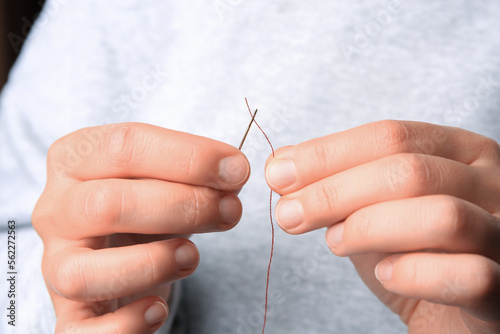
(335, 234)
(233, 169)
(383, 271)
(290, 214)
(186, 257)
(230, 209)
(155, 314)
(281, 174)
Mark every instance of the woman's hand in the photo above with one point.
(118, 199)
(411, 203)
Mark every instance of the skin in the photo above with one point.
(415, 206)
(118, 204)
(418, 198)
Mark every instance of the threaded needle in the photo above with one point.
(248, 129)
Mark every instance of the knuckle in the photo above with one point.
(391, 135)
(189, 160)
(358, 225)
(324, 155)
(490, 148)
(52, 154)
(55, 158)
(98, 204)
(411, 271)
(64, 277)
(191, 210)
(410, 175)
(326, 195)
(195, 208)
(42, 214)
(484, 280)
(157, 274)
(49, 213)
(37, 216)
(451, 219)
(120, 148)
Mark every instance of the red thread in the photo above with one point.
(272, 226)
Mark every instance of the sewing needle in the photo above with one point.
(248, 129)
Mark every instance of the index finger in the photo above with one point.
(138, 150)
(294, 167)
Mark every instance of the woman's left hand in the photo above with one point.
(416, 208)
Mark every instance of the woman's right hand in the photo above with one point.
(117, 202)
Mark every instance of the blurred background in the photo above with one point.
(16, 18)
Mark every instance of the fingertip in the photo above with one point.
(156, 314)
(234, 170)
(383, 271)
(290, 215)
(281, 171)
(186, 257)
(230, 210)
(334, 239)
(281, 174)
